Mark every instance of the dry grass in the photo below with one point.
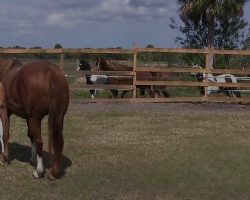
(140, 151)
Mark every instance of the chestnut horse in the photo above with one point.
(107, 65)
(32, 91)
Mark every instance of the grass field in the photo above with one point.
(140, 151)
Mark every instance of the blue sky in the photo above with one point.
(89, 23)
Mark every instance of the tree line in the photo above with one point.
(142, 57)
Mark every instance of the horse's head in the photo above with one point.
(83, 65)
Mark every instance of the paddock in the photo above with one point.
(142, 148)
(238, 67)
(140, 151)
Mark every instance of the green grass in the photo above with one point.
(140, 151)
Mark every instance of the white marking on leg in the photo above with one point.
(38, 173)
(1, 135)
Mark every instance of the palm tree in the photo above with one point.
(208, 12)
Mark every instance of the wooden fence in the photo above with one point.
(133, 52)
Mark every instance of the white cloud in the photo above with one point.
(55, 19)
(45, 17)
(75, 12)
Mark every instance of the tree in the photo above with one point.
(210, 13)
(228, 35)
(150, 46)
(58, 46)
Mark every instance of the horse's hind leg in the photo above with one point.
(142, 91)
(33, 147)
(58, 143)
(124, 93)
(5, 137)
(34, 131)
(165, 93)
(92, 94)
(114, 93)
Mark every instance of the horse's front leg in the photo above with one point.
(34, 131)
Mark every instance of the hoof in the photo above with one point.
(51, 177)
(4, 163)
(38, 175)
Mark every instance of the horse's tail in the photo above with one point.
(57, 111)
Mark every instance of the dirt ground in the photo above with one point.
(161, 107)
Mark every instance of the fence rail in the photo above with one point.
(157, 82)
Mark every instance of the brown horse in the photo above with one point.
(107, 65)
(32, 91)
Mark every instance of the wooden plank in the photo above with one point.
(190, 83)
(192, 70)
(103, 87)
(62, 61)
(208, 65)
(163, 100)
(124, 51)
(228, 100)
(169, 70)
(229, 52)
(195, 51)
(30, 51)
(66, 51)
(140, 100)
(97, 51)
(171, 83)
(170, 50)
(134, 69)
(101, 100)
(169, 100)
(228, 71)
(107, 73)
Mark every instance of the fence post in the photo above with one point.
(134, 70)
(208, 60)
(62, 60)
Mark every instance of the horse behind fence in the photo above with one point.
(223, 78)
(108, 65)
(90, 78)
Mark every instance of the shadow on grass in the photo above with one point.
(23, 153)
